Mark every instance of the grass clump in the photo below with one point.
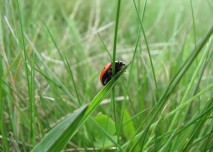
(52, 53)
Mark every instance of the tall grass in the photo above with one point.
(52, 53)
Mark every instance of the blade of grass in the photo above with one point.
(187, 102)
(59, 136)
(25, 119)
(191, 84)
(4, 143)
(209, 138)
(183, 127)
(56, 87)
(147, 46)
(135, 50)
(197, 127)
(50, 74)
(32, 102)
(207, 60)
(193, 18)
(167, 146)
(153, 114)
(66, 63)
(30, 80)
(115, 37)
(113, 62)
(102, 41)
(199, 120)
(129, 78)
(126, 88)
(199, 141)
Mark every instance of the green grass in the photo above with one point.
(52, 53)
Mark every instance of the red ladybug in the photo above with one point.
(106, 73)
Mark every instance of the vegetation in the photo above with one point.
(52, 53)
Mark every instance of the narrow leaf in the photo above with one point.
(57, 138)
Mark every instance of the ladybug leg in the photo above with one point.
(107, 80)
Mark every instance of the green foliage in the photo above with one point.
(128, 126)
(51, 56)
(58, 137)
(109, 126)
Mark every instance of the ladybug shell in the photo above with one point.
(106, 73)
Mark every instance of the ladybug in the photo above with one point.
(106, 73)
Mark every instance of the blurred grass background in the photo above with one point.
(34, 100)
